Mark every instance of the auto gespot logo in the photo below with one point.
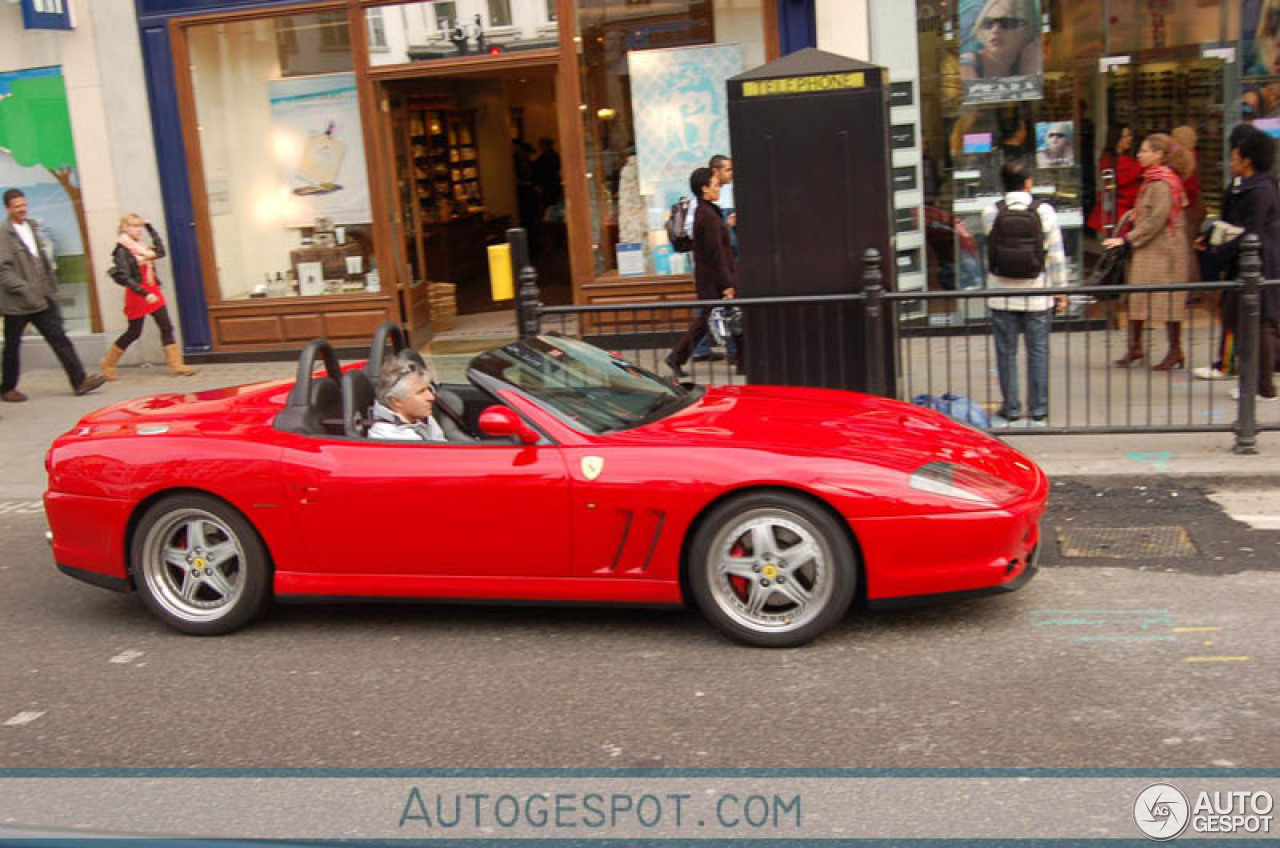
(1163, 812)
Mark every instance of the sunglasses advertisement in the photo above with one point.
(1000, 54)
(1055, 146)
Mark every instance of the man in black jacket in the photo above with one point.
(1254, 204)
(28, 292)
(715, 271)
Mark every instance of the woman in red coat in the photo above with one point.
(1119, 158)
(134, 267)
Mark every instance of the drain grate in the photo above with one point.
(1125, 542)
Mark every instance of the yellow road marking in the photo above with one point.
(1217, 659)
(1195, 629)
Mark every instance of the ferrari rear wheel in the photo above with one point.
(199, 565)
(772, 570)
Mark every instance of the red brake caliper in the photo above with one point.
(739, 584)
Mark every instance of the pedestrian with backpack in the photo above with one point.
(1025, 252)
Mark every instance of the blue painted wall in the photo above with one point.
(797, 25)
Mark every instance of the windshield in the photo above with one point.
(589, 388)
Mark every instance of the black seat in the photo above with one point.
(314, 405)
(357, 400)
(449, 413)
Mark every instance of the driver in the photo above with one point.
(402, 410)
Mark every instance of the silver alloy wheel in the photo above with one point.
(193, 564)
(770, 570)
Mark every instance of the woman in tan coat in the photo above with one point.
(1159, 252)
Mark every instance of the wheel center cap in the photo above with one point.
(200, 564)
(769, 572)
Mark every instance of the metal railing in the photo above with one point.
(1087, 392)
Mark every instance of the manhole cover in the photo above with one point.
(1125, 542)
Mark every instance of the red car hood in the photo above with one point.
(825, 422)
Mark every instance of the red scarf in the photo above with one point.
(1165, 174)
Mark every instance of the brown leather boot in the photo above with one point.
(1135, 352)
(110, 361)
(176, 367)
(1175, 358)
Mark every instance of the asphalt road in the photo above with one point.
(1164, 661)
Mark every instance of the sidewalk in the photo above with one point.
(27, 429)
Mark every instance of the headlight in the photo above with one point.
(965, 483)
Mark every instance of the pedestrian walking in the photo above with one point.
(722, 167)
(1216, 253)
(1159, 252)
(1024, 251)
(1253, 204)
(28, 295)
(134, 268)
(715, 272)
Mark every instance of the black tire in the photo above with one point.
(199, 565)
(754, 589)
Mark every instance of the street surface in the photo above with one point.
(1154, 649)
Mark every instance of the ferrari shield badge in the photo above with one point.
(592, 466)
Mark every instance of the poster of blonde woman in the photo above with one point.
(1000, 51)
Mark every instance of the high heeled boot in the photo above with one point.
(1175, 358)
(1135, 352)
(110, 361)
(176, 366)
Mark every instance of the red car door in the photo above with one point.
(413, 508)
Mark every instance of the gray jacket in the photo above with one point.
(27, 284)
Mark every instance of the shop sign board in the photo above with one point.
(47, 14)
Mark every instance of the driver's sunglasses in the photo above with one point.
(1057, 135)
(1272, 25)
(1005, 23)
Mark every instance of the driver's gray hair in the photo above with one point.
(391, 379)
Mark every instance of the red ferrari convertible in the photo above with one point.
(571, 475)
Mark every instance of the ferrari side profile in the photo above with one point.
(570, 475)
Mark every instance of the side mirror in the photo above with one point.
(501, 421)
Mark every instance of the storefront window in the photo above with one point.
(1055, 83)
(653, 85)
(499, 13)
(425, 32)
(283, 157)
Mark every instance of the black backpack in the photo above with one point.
(677, 226)
(1015, 246)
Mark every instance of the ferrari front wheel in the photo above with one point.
(771, 569)
(199, 565)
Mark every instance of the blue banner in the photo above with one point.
(47, 14)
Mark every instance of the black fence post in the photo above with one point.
(528, 309)
(1247, 348)
(873, 288)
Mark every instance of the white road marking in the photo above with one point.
(125, 657)
(21, 507)
(25, 717)
(1258, 508)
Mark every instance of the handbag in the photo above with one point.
(1109, 271)
(1110, 268)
